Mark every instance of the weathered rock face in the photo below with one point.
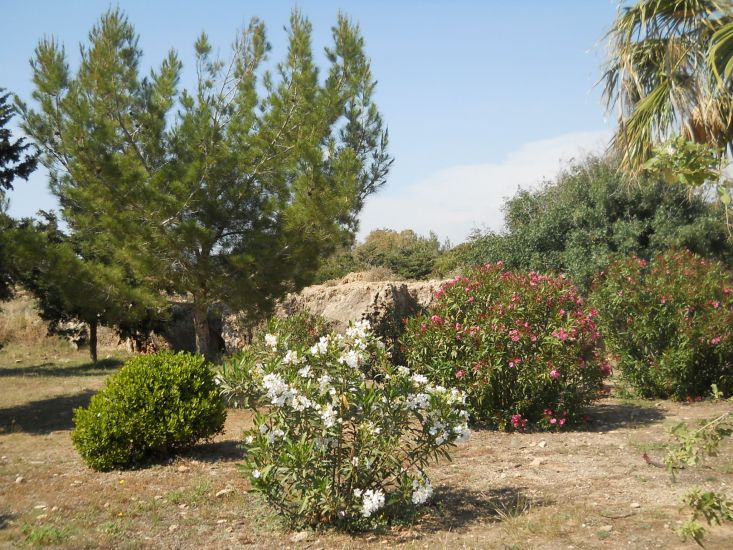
(384, 303)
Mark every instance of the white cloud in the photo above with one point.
(457, 199)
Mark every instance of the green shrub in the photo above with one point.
(522, 346)
(155, 405)
(236, 377)
(669, 323)
(335, 448)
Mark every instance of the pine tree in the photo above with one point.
(237, 197)
(69, 287)
(17, 160)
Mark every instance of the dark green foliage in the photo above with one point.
(405, 253)
(591, 212)
(69, 287)
(669, 323)
(522, 346)
(17, 160)
(232, 191)
(155, 405)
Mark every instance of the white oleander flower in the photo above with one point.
(422, 490)
(462, 432)
(320, 347)
(271, 341)
(350, 358)
(371, 502)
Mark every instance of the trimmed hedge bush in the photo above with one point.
(669, 323)
(155, 405)
(522, 346)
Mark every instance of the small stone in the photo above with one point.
(183, 506)
(106, 504)
(183, 469)
(172, 528)
(542, 444)
(55, 509)
(224, 492)
(606, 528)
(41, 506)
(635, 505)
(20, 479)
(299, 536)
(41, 516)
(220, 521)
(537, 462)
(158, 497)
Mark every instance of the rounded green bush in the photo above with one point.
(155, 405)
(522, 346)
(669, 323)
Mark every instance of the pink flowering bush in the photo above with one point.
(669, 323)
(522, 346)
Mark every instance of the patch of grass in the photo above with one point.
(45, 535)
(646, 446)
(191, 496)
(115, 527)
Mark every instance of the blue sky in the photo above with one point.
(480, 97)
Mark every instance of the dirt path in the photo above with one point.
(582, 489)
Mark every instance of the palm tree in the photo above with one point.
(660, 80)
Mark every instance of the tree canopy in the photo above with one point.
(663, 55)
(591, 211)
(230, 192)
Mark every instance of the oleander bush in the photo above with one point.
(669, 323)
(522, 346)
(153, 406)
(335, 447)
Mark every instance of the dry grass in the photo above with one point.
(19, 322)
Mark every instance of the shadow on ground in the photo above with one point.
(5, 519)
(607, 415)
(219, 451)
(43, 416)
(457, 507)
(103, 366)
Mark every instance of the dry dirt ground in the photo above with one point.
(588, 488)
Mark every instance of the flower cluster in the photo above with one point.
(338, 447)
(516, 343)
(669, 323)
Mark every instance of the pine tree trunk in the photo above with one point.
(93, 340)
(204, 344)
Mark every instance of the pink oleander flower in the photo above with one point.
(561, 334)
(562, 421)
(460, 373)
(514, 335)
(437, 319)
(605, 369)
(715, 340)
(554, 374)
(516, 420)
(553, 421)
